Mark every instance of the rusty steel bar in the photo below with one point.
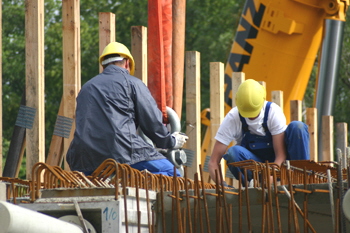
(279, 224)
(187, 202)
(218, 203)
(147, 199)
(263, 203)
(240, 203)
(306, 230)
(204, 199)
(224, 199)
(125, 200)
(269, 194)
(199, 203)
(247, 201)
(177, 201)
(162, 202)
(295, 217)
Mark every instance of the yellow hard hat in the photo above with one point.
(250, 98)
(122, 50)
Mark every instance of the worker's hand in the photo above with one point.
(180, 139)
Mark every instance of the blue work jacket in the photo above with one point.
(110, 108)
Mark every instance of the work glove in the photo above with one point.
(180, 139)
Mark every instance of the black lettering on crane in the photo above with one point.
(235, 60)
(257, 16)
(250, 32)
(228, 100)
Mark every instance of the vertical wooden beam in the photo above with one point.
(139, 51)
(71, 62)
(296, 110)
(311, 121)
(193, 112)
(342, 140)
(237, 79)
(106, 31)
(327, 139)
(262, 83)
(217, 87)
(277, 98)
(1, 88)
(35, 82)
(179, 13)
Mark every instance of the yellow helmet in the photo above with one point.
(250, 98)
(122, 50)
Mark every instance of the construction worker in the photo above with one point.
(259, 130)
(110, 108)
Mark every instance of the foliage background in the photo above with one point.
(210, 30)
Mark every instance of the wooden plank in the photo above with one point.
(139, 51)
(262, 83)
(16, 149)
(193, 111)
(55, 155)
(217, 87)
(35, 82)
(71, 63)
(106, 31)
(237, 79)
(327, 139)
(296, 110)
(342, 140)
(311, 121)
(1, 156)
(277, 98)
(179, 13)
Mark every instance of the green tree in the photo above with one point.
(210, 30)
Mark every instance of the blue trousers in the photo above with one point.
(160, 166)
(297, 145)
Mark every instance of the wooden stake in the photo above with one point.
(35, 82)
(71, 63)
(106, 31)
(139, 52)
(193, 111)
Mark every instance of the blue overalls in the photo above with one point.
(260, 148)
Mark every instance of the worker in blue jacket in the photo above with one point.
(110, 108)
(258, 129)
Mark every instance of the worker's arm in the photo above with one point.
(215, 158)
(279, 148)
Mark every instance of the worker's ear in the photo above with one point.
(127, 64)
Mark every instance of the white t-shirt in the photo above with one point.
(231, 127)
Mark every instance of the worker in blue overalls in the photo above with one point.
(260, 133)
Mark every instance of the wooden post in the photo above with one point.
(55, 155)
(342, 140)
(106, 31)
(178, 50)
(311, 121)
(296, 110)
(193, 112)
(35, 82)
(237, 79)
(1, 88)
(277, 98)
(262, 83)
(71, 63)
(327, 139)
(139, 51)
(217, 87)
(16, 150)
